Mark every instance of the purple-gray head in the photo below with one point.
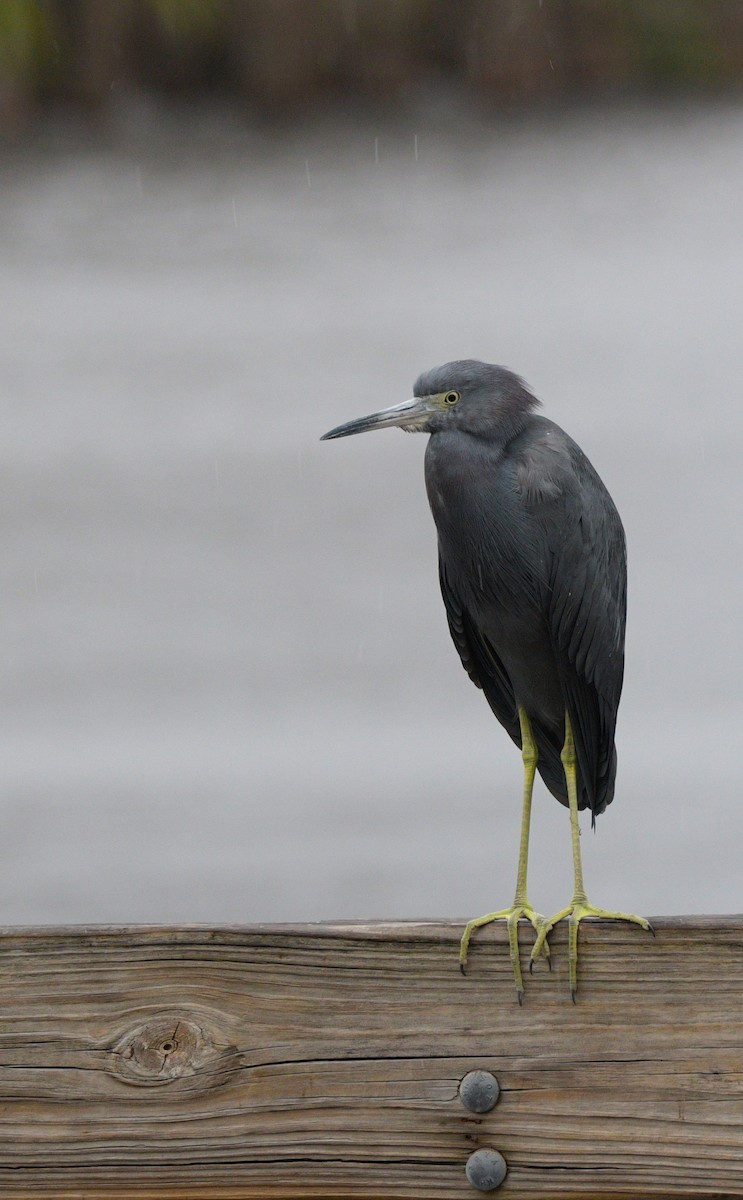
(475, 397)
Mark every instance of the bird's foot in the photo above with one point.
(511, 916)
(575, 912)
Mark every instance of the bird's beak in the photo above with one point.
(411, 414)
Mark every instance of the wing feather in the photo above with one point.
(587, 611)
(479, 659)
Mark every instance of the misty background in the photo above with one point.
(229, 692)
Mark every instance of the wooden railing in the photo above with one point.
(326, 1061)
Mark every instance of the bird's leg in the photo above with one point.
(579, 906)
(521, 906)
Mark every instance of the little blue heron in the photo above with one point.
(533, 572)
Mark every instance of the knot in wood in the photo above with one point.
(165, 1048)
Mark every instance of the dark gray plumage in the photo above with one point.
(533, 569)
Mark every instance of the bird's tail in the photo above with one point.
(551, 770)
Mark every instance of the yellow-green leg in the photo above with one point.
(579, 906)
(521, 906)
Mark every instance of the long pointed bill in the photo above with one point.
(411, 414)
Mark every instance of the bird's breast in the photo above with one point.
(464, 478)
(486, 533)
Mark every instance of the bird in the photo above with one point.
(533, 574)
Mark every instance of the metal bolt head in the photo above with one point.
(486, 1169)
(479, 1091)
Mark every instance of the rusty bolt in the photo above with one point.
(486, 1169)
(479, 1091)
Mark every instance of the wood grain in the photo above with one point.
(324, 1061)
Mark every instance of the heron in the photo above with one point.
(533, 574)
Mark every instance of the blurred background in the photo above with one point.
(228, 688)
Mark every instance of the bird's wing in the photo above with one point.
(479, 659)
(586, 603)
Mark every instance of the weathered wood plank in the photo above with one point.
(324, 1061)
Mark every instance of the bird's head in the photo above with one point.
(467, 395)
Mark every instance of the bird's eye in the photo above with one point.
(451, 397)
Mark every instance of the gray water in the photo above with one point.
(228, 688)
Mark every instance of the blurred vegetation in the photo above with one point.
(281, 57)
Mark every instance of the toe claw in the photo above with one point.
(574, 913)
(511, 916)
